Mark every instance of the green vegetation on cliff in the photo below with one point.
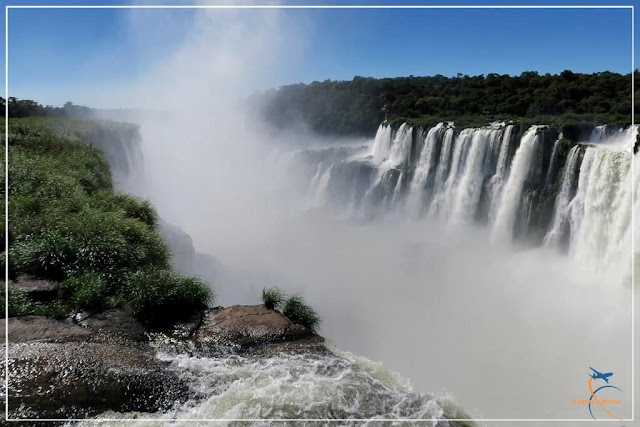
(66, 223)
(294, 307)
(355, 107)
(298, 311)
(272, 298)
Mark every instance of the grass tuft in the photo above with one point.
(298, 311)
(272, 298)
(160, 297)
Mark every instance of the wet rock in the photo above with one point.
(44, 329)
(58, 369)
(243, 328)
(83, 379)
(38, 290)
(186, 329)
(116, 324)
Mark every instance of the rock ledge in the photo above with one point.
(106, 361)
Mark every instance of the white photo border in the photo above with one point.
(285, 6)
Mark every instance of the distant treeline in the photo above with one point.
(355, 107)
(28, 108)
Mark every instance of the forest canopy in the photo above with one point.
(28, 108)
(356, 106)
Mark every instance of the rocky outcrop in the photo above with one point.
(58, 369)
(114, 325)
(96, 362)
(28, 329)
(248, 328)
(83, 379)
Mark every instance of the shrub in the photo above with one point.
(129, 206)
(90, 241)
(160, 297)
(297, 310)
(19, 303)
(272, 297)
(85, 291)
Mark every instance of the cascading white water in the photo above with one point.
(467, 193)
(470, 176)
(398, 189)
(553, 163)
(397, 158)
(444, 160)
(400, 148)
(510, 197)
(316, 178)
(598, 133)
(323, 183)
(442, 201)
(599, 213)
(617, 139)
(425, 166)
(498, 179)
(381, 147)
(501, 167)
(562, 205)
(602, 209)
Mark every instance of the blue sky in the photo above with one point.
(60, 54)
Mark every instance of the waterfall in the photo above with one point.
(400, 148)
(316, 178)
(445, 159)
(561, 209)
(425, 166)
(602, 210)
(473, 175)
(598, 133)
(381, 147)
(397, 190)
(398, 157)
(497, 181)
(501, 168)
(323, 183)
(467, 193)
(598, 216)
(443, 191)
(510, 198)
(553, 163)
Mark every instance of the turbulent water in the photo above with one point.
(297, 388)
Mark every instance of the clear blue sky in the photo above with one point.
(60, 54)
